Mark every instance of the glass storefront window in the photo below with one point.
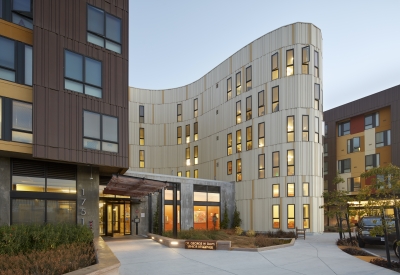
(61, 211)
(206, 217)
(169, 195)
(168, 217)
(61, 186)
(214, 197)
(30, 184)
(28, 211)
(200, 196)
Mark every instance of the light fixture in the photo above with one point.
(174, 243)
(160, 240)
(91, 175)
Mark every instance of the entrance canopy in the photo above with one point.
(132, 186)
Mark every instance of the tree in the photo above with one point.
(237, 221)
(225, 219)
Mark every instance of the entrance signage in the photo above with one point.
(82, 209)
(203, 245)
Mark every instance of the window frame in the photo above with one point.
(289, 166)
(141, 160)
(278, 187)
(316, 64)
(342, 166)
(141, 117)
(306, 216)
(229, 172)
(141, 140)
(179, 112)
(350, 145)
(196, 131)
(387, 139)
(341, 130)
(317, 95)
(187, 156)
(12, 129)
(316, 129)
(276, 218)
(238, 170)
(351, 184)
(289, 65)
(374, 121)
(274, 167)
(261, 105)
(290, 134)
(249, 81)
(290, 218)
(248, 108)
(239, 141)
(196, 154)
(306, 186)
(289, 186)
(261, 135)
(238, 112)
(275, 69)
(229, 91)
(305, 63)
(195, 107)
(187, 133)
(249, 138)
(179, 135)
(261, 166)
(308, 128)
(275, 104)
(375, 161)
(238, 87)
(229, 140)
(325, 149)
(196, 173)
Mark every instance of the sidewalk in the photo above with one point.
(317, 254)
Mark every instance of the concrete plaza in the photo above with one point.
(318, 254)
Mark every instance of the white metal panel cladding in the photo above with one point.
(217, 118)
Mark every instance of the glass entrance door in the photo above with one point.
(117, 218)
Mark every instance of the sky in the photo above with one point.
(174, 43)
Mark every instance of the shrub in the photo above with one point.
(237, 221)
(347, 242)
(356, 252)
(198, 234)
(384, 263)
(225, 219)
(238, 230)
(280, 234)
(263, 241)
(250, 233)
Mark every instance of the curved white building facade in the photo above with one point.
(255, 119)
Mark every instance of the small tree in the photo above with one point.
(156, 218)
(225, 219)
(237, 221)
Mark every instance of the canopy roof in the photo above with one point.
(132, 186)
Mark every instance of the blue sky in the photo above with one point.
(174, 43)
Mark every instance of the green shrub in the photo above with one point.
(225, 219)
(238, 230)
(237, 221)
(250, 233)
(263, 241)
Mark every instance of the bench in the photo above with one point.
(300, 231)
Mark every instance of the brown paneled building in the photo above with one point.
(64, 109)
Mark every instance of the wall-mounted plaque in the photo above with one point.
(204, 245)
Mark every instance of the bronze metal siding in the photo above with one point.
(58, 114)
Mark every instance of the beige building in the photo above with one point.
(255, 119)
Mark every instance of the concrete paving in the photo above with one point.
(318, 254)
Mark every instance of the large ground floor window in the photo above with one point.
(168, 217)
(206, 217)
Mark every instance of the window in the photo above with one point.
(100, 132)
(141, 114)
(275, 216)
(187, 174)
(290, 189)
(141, 159)
(15, 61)
(141, 136)
(274, 66)
(229, 142)
(371, 161)
(344, 166)
(316, 64)
(382, 139)
(316, 96)
(306, 216)
(229, 168)
(179, 112)
(371, 121)
(229, 88)
(261, 133)
(196, 173)
(353, 184)
(261, 166)
(275, 99)
(104, 29)
(238, 141)
(275, 164)
(325, 149)
(289, 62)
(22, 13)
(344, 128)
(316, 136)
(238, 83)
(261, 107)
(290, 216)
(196, 107)
(21, 130)
(290, 162)
(325, 168)
(238, 170)
(290, 129)
(248, 108)
(238, 112)
(326, 130)
(179, 174)
(187, 153)
(196, 131)
(196, 154)
(305, 56)
(305, 128)
(306, 189)
(353, 145)
(249, 143)
(187, 132)
(83, 74)
(275, 190)
(325, 185)
(179, 135)
(248, 78)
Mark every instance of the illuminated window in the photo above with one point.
(306, 189)
(229, 168)
(316, 136)
(248, 108)
(179, 174)
(290, 129)
(275, 99)
(187, 132)
(371, 161)
(261, 166)
(275, 190)
(316, 64)
(141, 136)
(317, 96)
(371, 121)
(238, 141)
(196, 107)
(238, 83)
(306, 216)
(187, 153)
(290, 189)
(238, 112)
(229, 88)
(290, 162)
(179, 112)
(275, 66)
(353, 184)
(382, 139)
(179, 135)
(196, 131)
(290, 216)
(187, 174)
(196, 173)
(353, 145)
(141, 114)
(275, 216)
(249, 143)
(305, 128)
(238, 170)
(229, 142)
(141, 158)
(344, 166)
(305, 59)
(196, 154)
(261, 133)
(344, 128)
(289, 62)
(248, 78)
(261, 107)
(275, 164)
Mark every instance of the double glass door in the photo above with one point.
(115, 218)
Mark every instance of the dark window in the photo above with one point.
(261, 107)
(305, 128)
(371, 121)
(229, 88)
(261, 134)
(179, 135)
(325, 149)
(248, 78)
(275, 99)
(83, 74)
(382, 139)
(275, 164)
(274, 66)
(238, 112)
(344, 166)
(238, 141)
(326, 130)
(141, 114)
(290, 129)
(196, 131)
(353, 184)
(238, 83)
(22, 13)
(316, 64)
(229, 142)
(141, 136)
(326, 168)
(290, 162)
(100, 132)
(305, 59)
(248, 108)
(289, 62)
(316, 95)
(21, 122)
(353, 145)
(104, 29)
(261, 166)
(344, 128)
(196, 107)
(179, 112)
(316, 136)
(238, 170)
(371, 161)
(249, 142)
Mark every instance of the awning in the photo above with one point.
(132, 186)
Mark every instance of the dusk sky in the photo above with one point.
(174, 43)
